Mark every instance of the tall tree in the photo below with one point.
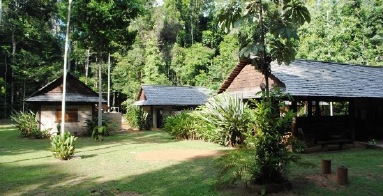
(103, 25)
(153, 71)
(267, 30)
(30, 51)
(344, 31)
(127, 73)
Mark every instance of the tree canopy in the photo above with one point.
(180, 42)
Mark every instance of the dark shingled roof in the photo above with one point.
(77, 92)
(322, 79)
(172, 95)
(326, 79)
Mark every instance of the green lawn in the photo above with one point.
(109, 168)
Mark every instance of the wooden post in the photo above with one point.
(351, 118)
(309, 108)
(341, 175)
(317, 108)
(326, 166)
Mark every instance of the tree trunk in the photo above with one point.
(5, 87)
(62, 131)
(108, 82)
(87, 66)
(14, 44)
(1, 10)
(99, 97)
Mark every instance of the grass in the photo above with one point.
(109, 168)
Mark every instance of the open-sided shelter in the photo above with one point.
(80, 105)
(317, 87)
(160, 101)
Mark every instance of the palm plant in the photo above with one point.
(229, 114)
(26, 122)
(271, 155)
(264, 158)
(63, 146)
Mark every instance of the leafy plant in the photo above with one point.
(98, 132)
(237, 166)
(371, 142)
(189, 125)
(145, 120)
(28, 125)
(133, 116)
(41, 134)
(230, 115)
(92, 123)
(181, 126)
(271, 154)
(297, 145)
(63, 146)
(264, 158)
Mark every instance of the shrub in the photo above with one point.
(146, 120)
(63, 146)
(271, 155)
(133, 116)
(92, 123)
(98, 132)
(264, 158)
(41, 134)
(236, 166)
(28, 125)
(181, 126)
(230, 115)
(189, 125)
(205, 130)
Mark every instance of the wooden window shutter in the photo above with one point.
(71, 115)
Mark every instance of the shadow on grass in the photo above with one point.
(193, 177)
(43, 179)
(11, 142)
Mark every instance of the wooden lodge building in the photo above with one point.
(80, 105)
(161, 101)
(315, 87)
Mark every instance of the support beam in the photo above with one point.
(309, 108)
(294, 106)
(317, 108)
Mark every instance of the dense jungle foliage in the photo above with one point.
(174, 42)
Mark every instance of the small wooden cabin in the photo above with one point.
(316, 88)
(160, 101)
(81, 103)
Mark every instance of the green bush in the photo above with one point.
(27, 124)
(92, 123)
(98, 132)
(264, 158)
(271, 155)
(63, 146)
(37, 134)
(230, 115)
(133, 116)
(181, 126)
(146, 120)
(205, 130)
(189, 125)
(236, 166)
